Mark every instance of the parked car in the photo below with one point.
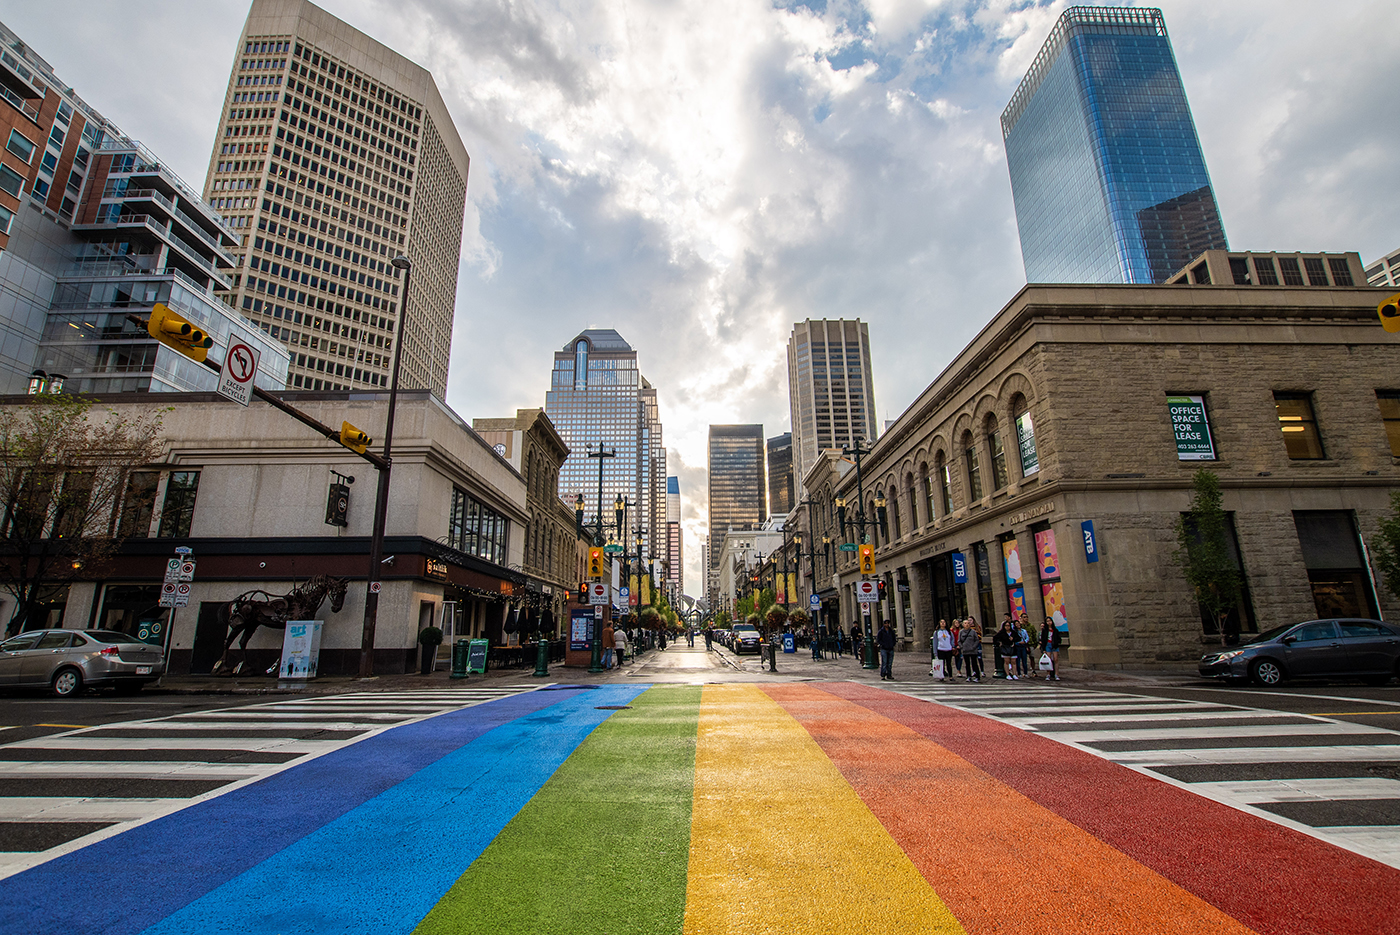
(1348, 647)
(67, 660)
(746, 638)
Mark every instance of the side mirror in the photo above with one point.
(1290, 640)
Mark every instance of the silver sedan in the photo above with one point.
(67, 660)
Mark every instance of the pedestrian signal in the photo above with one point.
(1389, 310)
(353, 438)
(867, 560)
(595, 563)
(173, 331)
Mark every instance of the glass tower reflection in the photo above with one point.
(1106, 170)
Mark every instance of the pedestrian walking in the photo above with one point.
(970, 646)
(1050, 638)
(620, 644)
(1004, 641)
(856, 638)
(1023, 647)
(607, 646)
(709, 638)
(944, 642)
(885, 640)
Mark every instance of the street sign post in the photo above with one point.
(598, 593)
(240, 367)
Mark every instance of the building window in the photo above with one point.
(21, 146)
(1317, 273)
(974, 471)
(134, 521)
(1264, 269)
(1299, 425)
(476, 529)
(1191, 426)
(999, 474)
(7, 217)
(1341, 584)
(1292, 275)
(1239, 270)
(177, 515)
(1240, 618)
(945, 484)
(11, 181)
(1389, 401)
(982, 559)
(1025, 437)
(1341, 271)
(929, 503)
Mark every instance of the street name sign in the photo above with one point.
(848, 547)
(613, 549)
(240, 367)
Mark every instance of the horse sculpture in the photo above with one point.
(252, 609)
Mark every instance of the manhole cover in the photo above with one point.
(612, 707)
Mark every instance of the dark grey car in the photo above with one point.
(67, 660)
(1354, 647)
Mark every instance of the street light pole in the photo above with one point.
(381, 499)
(857, 450)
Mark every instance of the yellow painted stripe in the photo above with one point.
(780, 842)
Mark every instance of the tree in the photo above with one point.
(777, 616)
(1203, 551)
(1385, 545)
(63, 470)
(798, 618)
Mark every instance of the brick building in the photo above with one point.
(1087, 409)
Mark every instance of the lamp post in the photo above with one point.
(595, 663)
(381, 499)
(860, 520)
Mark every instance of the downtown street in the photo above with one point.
(695, 792)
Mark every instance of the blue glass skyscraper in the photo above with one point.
(1106, 171)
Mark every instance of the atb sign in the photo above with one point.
(240, 367)
(867, 592)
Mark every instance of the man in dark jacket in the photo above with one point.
(885, 640)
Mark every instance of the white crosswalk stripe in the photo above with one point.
(64, 780)
(1333, 779)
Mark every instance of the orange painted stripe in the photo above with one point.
(999, 861)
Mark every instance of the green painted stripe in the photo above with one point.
(603, 847)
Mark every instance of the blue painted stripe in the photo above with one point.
(381, 868)
(139, 877)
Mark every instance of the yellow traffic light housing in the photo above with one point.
(1389, 311)
(595, 563)
(354, 439)
(867, 559)
(173, 331)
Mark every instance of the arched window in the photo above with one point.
(913, 500)
(997, 447)
(930, 505)
(974, 468)
(945, 483)
(1025, 436)
(893, 508)
(581, 365)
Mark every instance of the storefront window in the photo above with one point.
(477, 529)
(1341, 582)
(982, 558)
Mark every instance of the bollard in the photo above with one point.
(542, 658)
(772, 656)
(461, 650)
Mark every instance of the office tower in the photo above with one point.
(95, 228)
(598, 396)
(675, 547)
(334, 155)
(1385, 272)
(737, 481)
(1107, 174)
(780, 487)
(831, 389)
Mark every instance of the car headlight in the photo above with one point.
(1226, 657)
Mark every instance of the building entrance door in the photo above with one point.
(949, 597)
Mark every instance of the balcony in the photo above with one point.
(163, 232)
(174, 187)
(19, 104)
(16, 76)
(112, 196)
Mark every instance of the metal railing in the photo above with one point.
(140, 194)
(148, 164)
(19, 104)
(115, 268)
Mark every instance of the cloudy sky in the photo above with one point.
(699, 174)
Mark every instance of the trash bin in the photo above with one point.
(460, 651)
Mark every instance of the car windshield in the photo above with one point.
(1273, 634)
(741, 630)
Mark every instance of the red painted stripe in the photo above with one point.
(1275, 880)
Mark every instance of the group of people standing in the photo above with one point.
(614, 646)
(959, 647)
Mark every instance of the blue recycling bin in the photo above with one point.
(789, 643)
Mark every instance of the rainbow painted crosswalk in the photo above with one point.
(801, 808)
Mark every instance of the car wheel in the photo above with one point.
(127, 688)
(67, 682)
(1266, 672)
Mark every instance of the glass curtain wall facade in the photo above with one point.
(780, 485)
(831, 389)
(737, 481)
(597, 396)
(1107, 172)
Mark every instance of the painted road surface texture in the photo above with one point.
(802, 808)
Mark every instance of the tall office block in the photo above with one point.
(598, 395)
(781, 492)
(94, 227)
(831, 389)
(1385, 272)
(737, 481)
(1106, 170)
(675, 547)
(334, 155)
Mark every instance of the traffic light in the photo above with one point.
(1389, 310)
(595, 563)
(880, 589)
(173, 331)
(354, 439)
(867, 559)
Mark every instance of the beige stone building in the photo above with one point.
(1077, 418)
(249, 491)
